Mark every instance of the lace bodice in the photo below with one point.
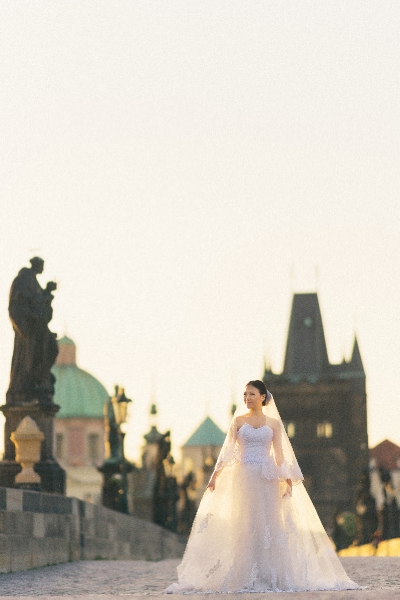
(260, 446)
(255, 444)
(256, 449)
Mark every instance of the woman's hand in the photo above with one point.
(211, 483)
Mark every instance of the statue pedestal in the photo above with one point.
(51, 474)
(114, 489)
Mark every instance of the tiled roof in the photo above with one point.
(208, 434)
(386, 454)
(306, 352)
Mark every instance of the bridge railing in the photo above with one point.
(38, 529)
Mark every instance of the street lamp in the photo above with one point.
(120, 406)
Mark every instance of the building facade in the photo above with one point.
(324, 408)
(79, 424)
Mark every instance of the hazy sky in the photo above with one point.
(171, 161)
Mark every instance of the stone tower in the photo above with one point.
(324, 409)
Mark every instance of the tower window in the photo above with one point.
(93, 447)
(324, 430)
(290, 428)
(59, 446)
(76, 447)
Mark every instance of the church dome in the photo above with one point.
(78, 393)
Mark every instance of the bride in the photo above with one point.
(256, 529)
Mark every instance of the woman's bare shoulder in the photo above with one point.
(242, 418)
(273, 423)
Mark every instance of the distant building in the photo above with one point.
(384, 471)
(385, 487)
(324, 408)
(79, 424)
(386, 455)
(200, 453)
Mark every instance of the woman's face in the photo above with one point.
(252, 397)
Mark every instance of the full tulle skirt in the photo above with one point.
(249, 537)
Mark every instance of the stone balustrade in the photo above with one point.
(38, 529)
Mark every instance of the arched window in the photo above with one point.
(290, 428)
(324, 430)
(93, 448)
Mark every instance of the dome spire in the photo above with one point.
(66, 351)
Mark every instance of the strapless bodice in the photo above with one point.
(255, 444)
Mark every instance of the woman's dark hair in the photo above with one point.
(260, 385)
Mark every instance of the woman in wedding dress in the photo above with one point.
(256, 529)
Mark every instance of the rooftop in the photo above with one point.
(77, 392)
(207, 434)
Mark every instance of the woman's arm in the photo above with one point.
(213, 479)
(227, 454)
(277, 443)
(279, 457)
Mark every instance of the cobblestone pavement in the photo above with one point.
(380, 578)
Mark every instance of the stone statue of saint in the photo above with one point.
(35, 346)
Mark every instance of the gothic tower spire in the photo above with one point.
(306, 352)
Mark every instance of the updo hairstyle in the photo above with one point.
(260, 385)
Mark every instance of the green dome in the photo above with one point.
(66, 341)
(78, 393)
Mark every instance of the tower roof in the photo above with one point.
(154, 436)
(356, 363)
(207, 434)
(78, 393)
(306, 352)
(386, 454)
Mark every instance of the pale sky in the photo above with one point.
(171, 161)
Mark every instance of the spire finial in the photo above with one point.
(356, 360)
(153, 389)
(316, 275)
(291, 276)
(207, 406)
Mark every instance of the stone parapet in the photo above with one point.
(38, 529)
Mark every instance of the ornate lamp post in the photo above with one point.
(120, 407)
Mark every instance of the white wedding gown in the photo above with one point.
(248, 536)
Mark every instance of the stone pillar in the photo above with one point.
(51, 474)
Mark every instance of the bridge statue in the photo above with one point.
(31, 388)
(35, 346)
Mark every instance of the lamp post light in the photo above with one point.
(120, 406)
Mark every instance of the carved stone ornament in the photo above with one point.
(27, 439)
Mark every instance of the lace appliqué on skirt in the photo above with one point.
(204, 522)
(267, 537)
